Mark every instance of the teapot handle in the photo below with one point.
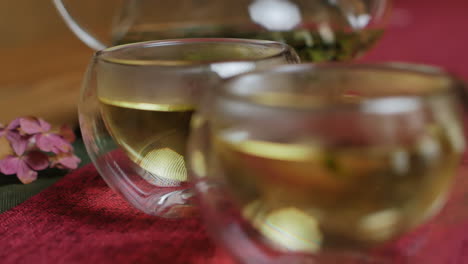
(80, 31)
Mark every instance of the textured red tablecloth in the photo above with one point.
(80, 220)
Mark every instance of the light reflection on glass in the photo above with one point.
(229, 69)
(275, 14)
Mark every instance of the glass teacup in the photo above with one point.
(320, 163)
(136, 105)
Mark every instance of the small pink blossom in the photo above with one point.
(18, 142)
(10, 128)
(65, 161)
(45, 140)
(25, 166)
(5, 145)
(14, 124)
(32, 125)
(49, 142)
(23, 145)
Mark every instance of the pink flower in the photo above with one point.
(65, 161)
(10, 128)
(23, 143)
(52, 143)
(25, 165)
(5, 144)
(18, 142)
(45, 140)
(14, 124)
(32, 125)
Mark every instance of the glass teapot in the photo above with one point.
(319, 30)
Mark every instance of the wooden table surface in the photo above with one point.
(43, 63)
(43, 81)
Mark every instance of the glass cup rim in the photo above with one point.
(108, 54)
(450, 82)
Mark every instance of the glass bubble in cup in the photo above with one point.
(136, 105)
(305, 163)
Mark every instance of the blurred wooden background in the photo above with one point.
(42, 61)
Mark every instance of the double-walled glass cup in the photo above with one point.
(319, 163)
(136, 105)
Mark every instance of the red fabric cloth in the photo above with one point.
(80, 220)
